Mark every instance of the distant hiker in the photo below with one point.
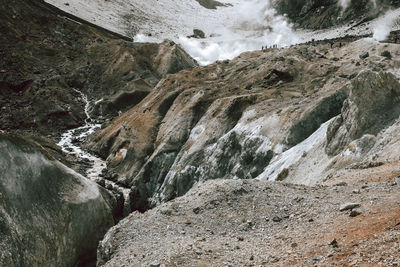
(340, 44)
(262, 48)
(331, 44)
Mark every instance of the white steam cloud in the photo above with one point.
(254, 24)
(344, 3)
(383, 26)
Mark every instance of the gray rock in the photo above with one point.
(155, 264)
(366, 112)
(386, 54)
(349, 206)
(354, 213)
(49, 214)
(277, 219)
(364, 55)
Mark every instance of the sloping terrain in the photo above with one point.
(160, 18)
(49, 58)
(256, 223)
(262, 115)
(279, 157)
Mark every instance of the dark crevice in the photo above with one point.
(309, 122)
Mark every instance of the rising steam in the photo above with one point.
(384, 25)
(254, 24)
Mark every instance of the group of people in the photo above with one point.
(271, 47)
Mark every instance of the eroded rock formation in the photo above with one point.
(237, 119)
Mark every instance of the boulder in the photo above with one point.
(49, 214)
(371, 107)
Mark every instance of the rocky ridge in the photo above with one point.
(256, 116)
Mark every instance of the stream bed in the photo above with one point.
(71, 139)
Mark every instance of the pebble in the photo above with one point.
(277, 219)
(334, 243)
(155, 264)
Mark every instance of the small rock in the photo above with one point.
(349, 206)
(277, 219)
(386, 54)
(196, 210)
(317, 258)
(240, 238)
(101, 182)
(283, 175)
(155, 264)
(354, 213)
(334, 243)
(109, 187)
(364, 55)
(341, 184)
(251, 257)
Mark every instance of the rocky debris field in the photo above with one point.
(257, 223)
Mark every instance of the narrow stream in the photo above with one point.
(72, 137)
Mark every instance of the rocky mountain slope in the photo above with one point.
(47, 57)
(50, 215)
(285, 156)
(316, 14)
(262, 115)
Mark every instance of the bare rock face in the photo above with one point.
(49, 215)
(372, 105)
(316, 14)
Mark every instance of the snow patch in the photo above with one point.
(294, 154)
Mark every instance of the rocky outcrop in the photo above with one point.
(372, 106)
(49, 214)
(46, 59)
(236, 119)
(316, 14)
